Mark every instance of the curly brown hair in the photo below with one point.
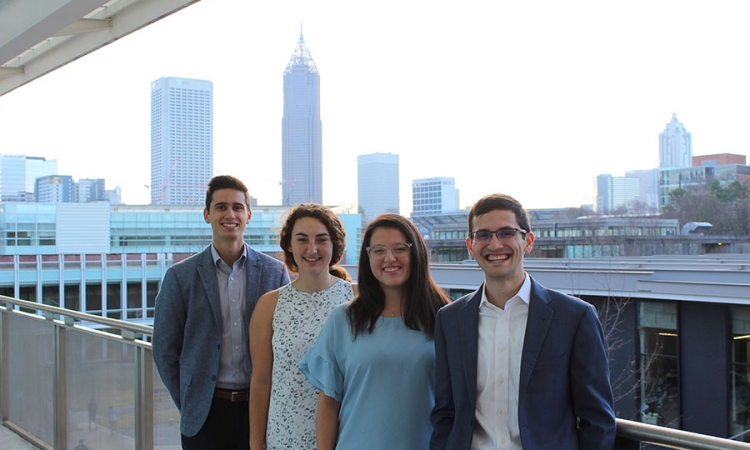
(335, 229)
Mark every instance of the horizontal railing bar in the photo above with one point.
(671, 437)
(77, 315)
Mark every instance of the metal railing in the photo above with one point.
(56, 375)
(62, 381)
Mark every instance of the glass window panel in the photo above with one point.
(659, 369)
(739, 404)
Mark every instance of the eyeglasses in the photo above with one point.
(399, 249)
(504, 234)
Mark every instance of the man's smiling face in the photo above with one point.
(228, 214)
(500, 258)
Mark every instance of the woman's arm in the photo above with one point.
(261, 355)
(327, 423)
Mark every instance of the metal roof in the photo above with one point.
(39, 36)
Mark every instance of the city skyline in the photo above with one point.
(534, 101)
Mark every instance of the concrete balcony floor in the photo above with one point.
(11, 441)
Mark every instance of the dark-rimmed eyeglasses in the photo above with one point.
(503, 234)
(398, 249)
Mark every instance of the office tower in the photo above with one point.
(377, 184)
(434, 195)
(675, 146)
(91, 190)
(18, 174)
(613, 193)
(55, 189)
(648, 188)
(301, 134)
(181, 140)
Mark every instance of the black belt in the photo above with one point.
(232, 396)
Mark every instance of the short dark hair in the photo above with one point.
(422, 296)
(335, 229)
(225, 182)
(499, 201)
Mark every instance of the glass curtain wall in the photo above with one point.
(659, 385)
(740, 396)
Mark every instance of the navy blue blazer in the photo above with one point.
(187, 328)
(565, 397)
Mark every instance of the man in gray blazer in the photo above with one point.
(203, 309)
(518, 366)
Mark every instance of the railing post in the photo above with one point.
(60, 376)
(144, 399)
(4, 344)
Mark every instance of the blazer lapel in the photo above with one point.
(207, 273)
(540, 317)
(253, 272)
(468, 323)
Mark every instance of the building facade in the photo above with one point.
(583, 237)
(92, 190)
(699, 178)
(302, 131)
(648, 188)
(18, 174)
(434, 196)
(377, 184)
(181, 140)
(110, 259)
(56, 189)
(719, 159)
(613, 193)
(675, 146)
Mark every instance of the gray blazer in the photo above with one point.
(187, 328)
(565, 399)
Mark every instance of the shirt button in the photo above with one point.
(501, 380)
(236, 347)
(502, 440)
(500, 412)
(235, 324)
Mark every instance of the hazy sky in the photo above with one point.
(533, 99)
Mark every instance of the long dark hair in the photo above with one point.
(335, 229)
(422, 296)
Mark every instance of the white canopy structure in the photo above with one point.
(39, 36)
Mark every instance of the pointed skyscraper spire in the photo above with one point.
(301, 57)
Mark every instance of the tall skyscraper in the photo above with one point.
(612, 193)
(18, 174)
(675, 146)
(377, 184)
(181, 140)
(301, 138)
(434, 195)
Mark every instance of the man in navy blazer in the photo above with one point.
(203, 309)
(519, 366)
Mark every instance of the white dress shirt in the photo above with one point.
(233, 368)
(501, 334)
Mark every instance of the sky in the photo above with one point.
(532, 99)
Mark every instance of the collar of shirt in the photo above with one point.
(217, 258)
(524, 293)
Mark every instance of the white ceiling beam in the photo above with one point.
(49, 53)
(84, 26)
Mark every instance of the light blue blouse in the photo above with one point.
(385, 382)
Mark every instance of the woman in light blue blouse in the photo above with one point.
(374, 360)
